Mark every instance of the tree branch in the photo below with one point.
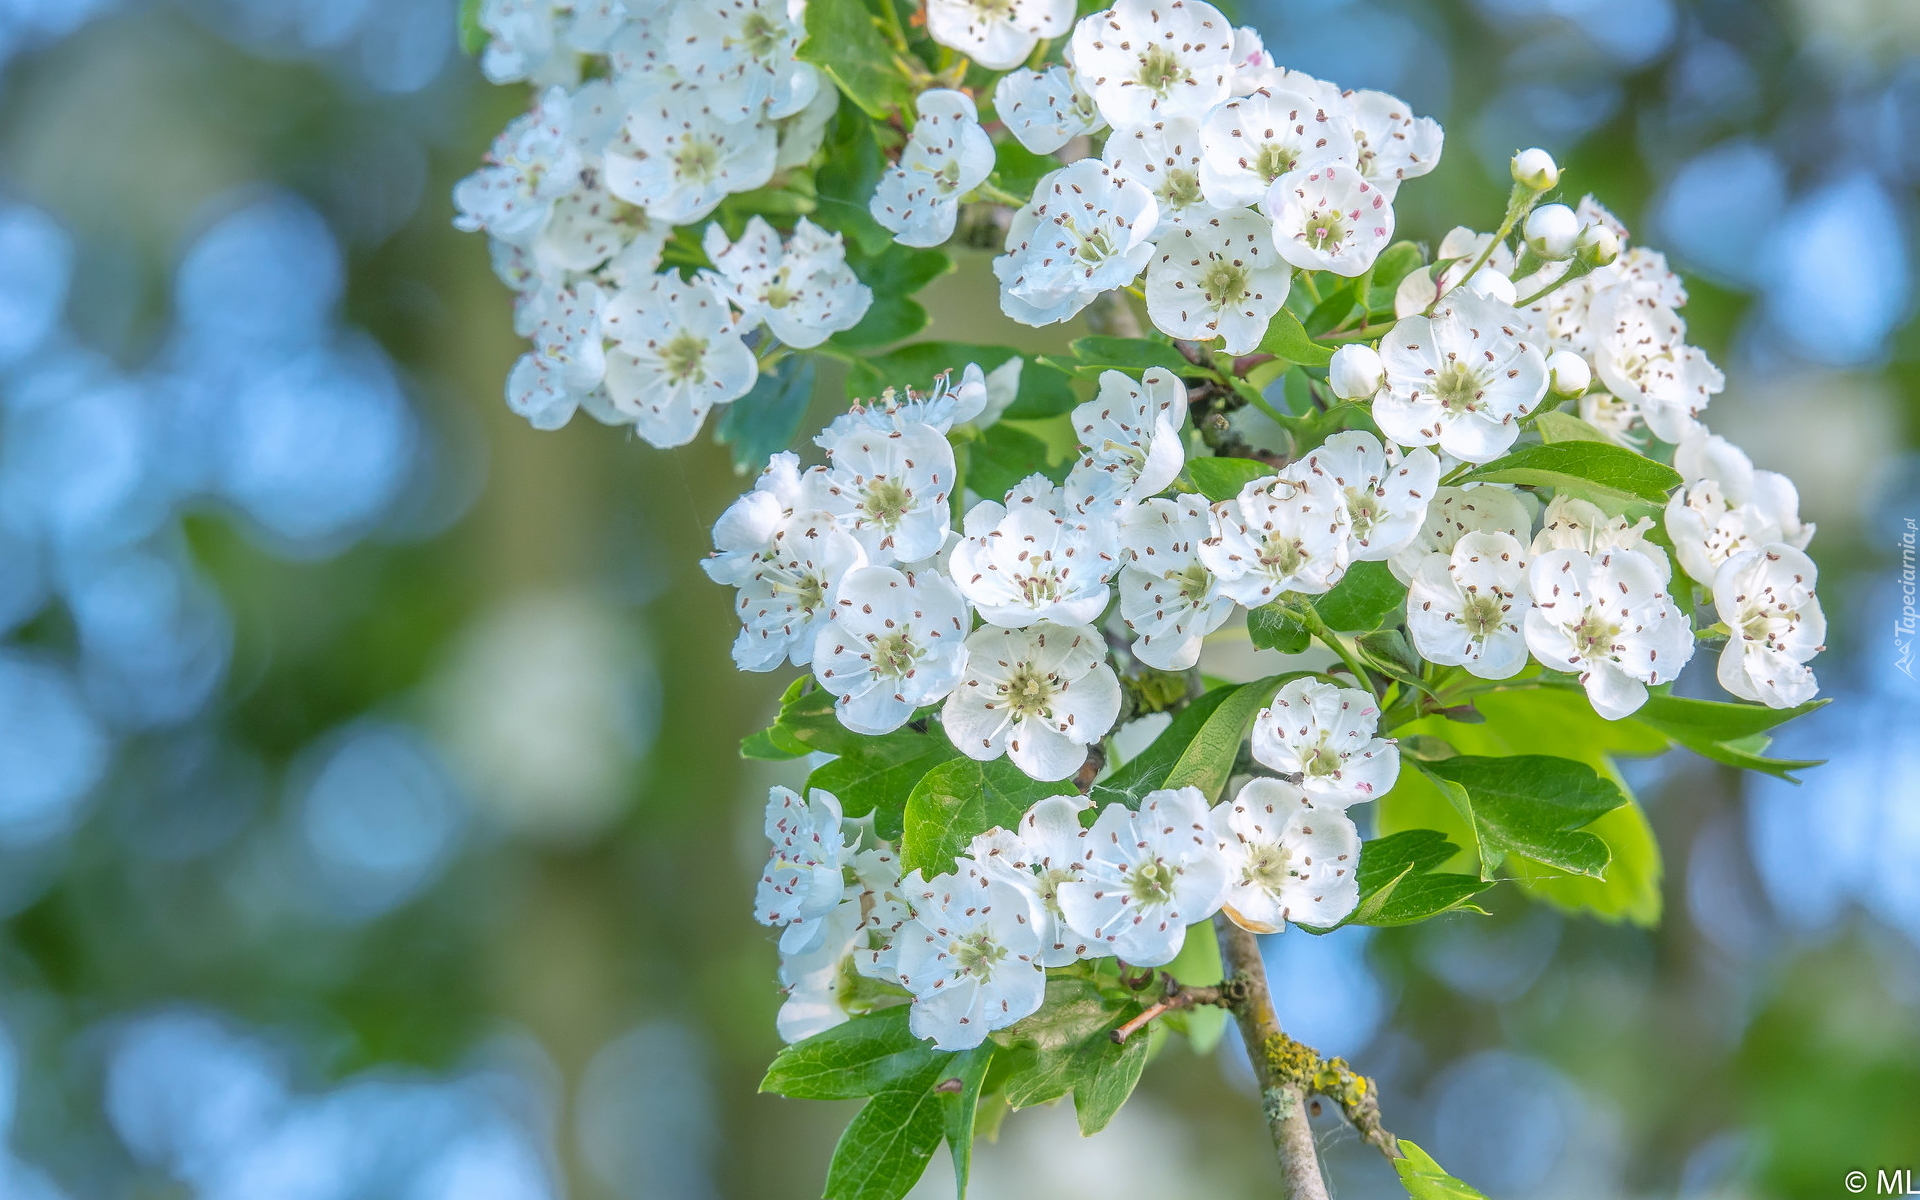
(1283, 1095)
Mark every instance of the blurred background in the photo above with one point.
(349, 844)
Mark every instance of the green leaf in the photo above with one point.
(885, 1148)
(1532, 805)
(1395, 263)
(856, 1058)
(959, 799)
(761, 747)
(1398, 884)
(1004, 456)
(960, 1106)
(877, 774)
(844, 40)
(1565, 427)
(1362, 599)
(764, 422)
(1424, 1180)
(1332, 309)
(1147, 770)
(845, 181)
(894, 274)
(1272, 627)
(1590, 469)
(1688, 721)
(473, 38)
(1133, 355)
(1222, 478)
(1020, 169)
(1287, 338)
(1065, 1048)
(807, 722)
(1631, 889)
(1208, 760)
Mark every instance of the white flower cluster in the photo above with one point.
(1220, 174)
(1604, 315)
(689, 102)
(972, 945)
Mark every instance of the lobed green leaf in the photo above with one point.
(1287, 338)
(877, 774)
(1005, 455)
(844, 40)
(1362, 599)
(765, 421)
(1590, 469)
(959, 799)
(1222, 478)
(1532, 805)
(860, 1057)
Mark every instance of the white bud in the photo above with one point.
(1552, 230)
(1569, 373)
(1355, 372)
(1535, 169)
(1492, 284)
(1597, 246)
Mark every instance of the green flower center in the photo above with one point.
(760, 35)
(977, 955)
(1458, 389)
(697, 160)
(1321, 762)
(1193, 583)
(1030, 692)
(1274, 160)
(1481, 615)
(1269, 866)
(1160, 69)
(1281, 555)
(685, 359)
(1326, 230)
(885, 502)
(1594, 636)
(1151, 882)
(895, 655)
(1224, 283)
(1363, 510)
(1181, 190)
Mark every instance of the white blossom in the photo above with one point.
(1458, 251)
(565, 327)
(739, 54)
(801, 133)
(1535, 169)
(784, 603)
(970, 954)
(1574, 524)
(1251, 141)
(888, 484)
(1551, 230)
(1218, 277)
(1766, 597)
(1130, 439)
(1386, 490)
(1165, 158)
(1327, 217)
(529, 166)
(1322, 737)
(1148, 875)
(1468, 607)
(946, 406)
(946, 156)
(803, 290)
(1047, 850)
(1278, 535)
(1086, 231)
(1039, 695)
(1568, 374)
(1146, 60)
(802, 881)
(1035, 558)
(677, 354)
(678, 157)
(1609, 620)
(1286, 860)
(1460, 379)
(892, 643)
(538, 392)
(743, 537)
(1641, 354)
(1167, 596)
(1727, 507)
(590, 227)
(521, 39)
(1456, 512)
(1044, 110)
(997, 34)
(1394, 145)
(1612, 416)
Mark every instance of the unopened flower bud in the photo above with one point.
(1355, 372)
(1569, 373)
(1535, 169)
(1492, 284)
(1552, 230)
(1597, 246)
